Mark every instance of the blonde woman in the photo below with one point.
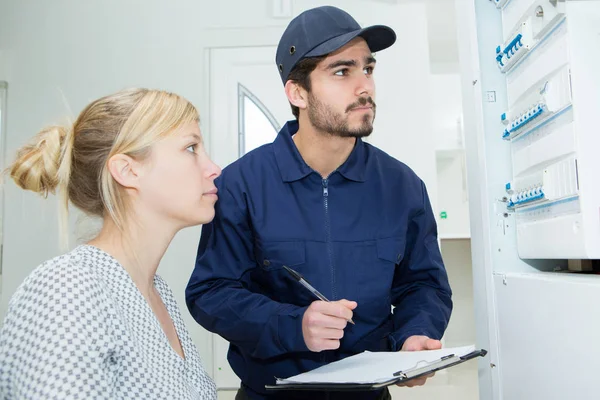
(97, 322)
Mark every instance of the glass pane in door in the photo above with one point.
(257, 126)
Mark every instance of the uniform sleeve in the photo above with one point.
(217, 294)
(55, 341)
(421, 293)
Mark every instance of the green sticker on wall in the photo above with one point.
(444, 215)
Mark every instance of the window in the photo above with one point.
(257, 126)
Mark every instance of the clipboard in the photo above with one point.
(398, 377)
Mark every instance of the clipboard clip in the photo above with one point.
(426, 366)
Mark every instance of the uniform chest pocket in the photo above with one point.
(271, 256)
(391, 249)
(272, 280)
(373, 264)
(371, 256)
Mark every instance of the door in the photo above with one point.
(248, 106)
(247, 101)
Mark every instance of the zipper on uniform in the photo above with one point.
(328, 236)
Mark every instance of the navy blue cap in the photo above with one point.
(323, 30)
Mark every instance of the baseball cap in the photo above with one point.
(323, 30)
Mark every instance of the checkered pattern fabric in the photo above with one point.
(78, 328)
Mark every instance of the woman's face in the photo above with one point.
(178, 180)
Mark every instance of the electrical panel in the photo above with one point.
(552, 126)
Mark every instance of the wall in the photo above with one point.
(446, 106)
(453, 197)
(57, 56)
(457, 258)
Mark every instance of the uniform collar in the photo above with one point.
(293, 167)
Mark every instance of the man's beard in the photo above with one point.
(325, 119)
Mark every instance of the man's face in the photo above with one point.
(341, 100)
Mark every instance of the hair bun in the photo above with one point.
(37, 166)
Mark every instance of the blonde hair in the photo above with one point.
(74, 160)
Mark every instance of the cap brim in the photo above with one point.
(378, 37)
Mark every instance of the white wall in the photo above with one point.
(453, 197)
(446, 106)
(457, 258)
(69, 51)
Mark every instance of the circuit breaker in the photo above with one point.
(552, 127)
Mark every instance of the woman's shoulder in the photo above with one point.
(69, 277)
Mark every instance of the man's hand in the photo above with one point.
(417, 343)
(323, 324)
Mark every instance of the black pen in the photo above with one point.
(307, 285)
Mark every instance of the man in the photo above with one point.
(355, 222)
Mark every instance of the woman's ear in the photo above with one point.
(125, 170)
(296, 94)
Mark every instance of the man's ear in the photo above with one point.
(296, 94)
(125, 170)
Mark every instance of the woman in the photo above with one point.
(98, 323)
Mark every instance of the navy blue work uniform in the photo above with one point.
(364, 233)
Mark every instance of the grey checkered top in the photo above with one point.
(78, 328)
